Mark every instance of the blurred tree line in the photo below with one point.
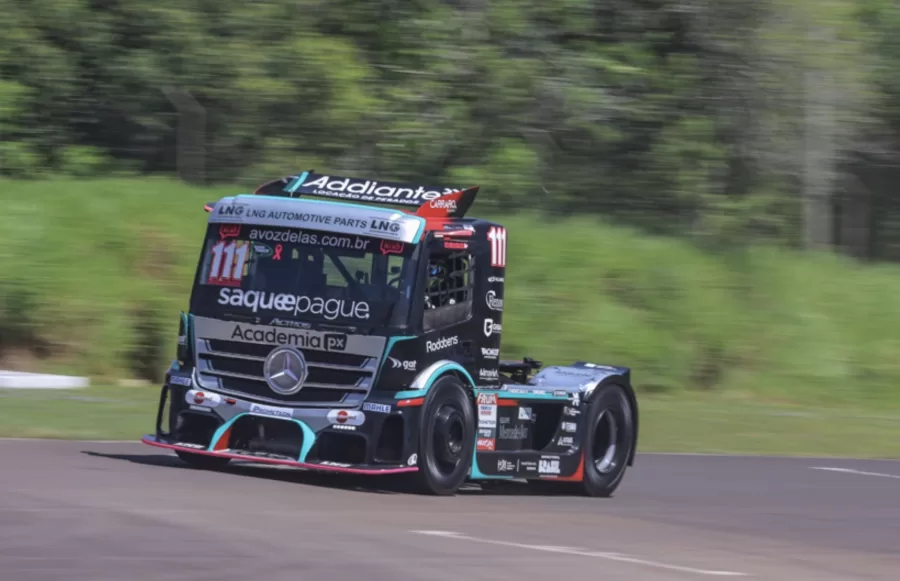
(731, 120)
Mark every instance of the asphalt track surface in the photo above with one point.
(91, 511)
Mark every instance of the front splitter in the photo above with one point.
(233, 455)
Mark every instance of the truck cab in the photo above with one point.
(352, 325)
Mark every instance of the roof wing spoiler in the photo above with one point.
(365, 190)
(448, 203)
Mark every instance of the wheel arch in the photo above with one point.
(423, 382)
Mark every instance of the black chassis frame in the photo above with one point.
(531, 434)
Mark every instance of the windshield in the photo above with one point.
(278, 275)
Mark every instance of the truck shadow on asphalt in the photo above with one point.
(391, 484)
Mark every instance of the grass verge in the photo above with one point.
(698, 423)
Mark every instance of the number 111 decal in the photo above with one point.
(228, 262)
(497, 236)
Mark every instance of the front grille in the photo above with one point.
(335, 379)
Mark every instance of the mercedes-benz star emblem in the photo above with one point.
(285, 370)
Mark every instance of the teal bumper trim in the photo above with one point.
(309, 437)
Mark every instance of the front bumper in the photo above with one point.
(381, 437)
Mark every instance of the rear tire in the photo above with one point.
(606, 443)
(202, 462)
(446, 437)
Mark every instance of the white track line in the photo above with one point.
(852, 471)
(583, 553)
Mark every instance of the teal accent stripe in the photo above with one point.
(297, 182)
(309, 437)
(390, 344)
(507, 395)
(413, 393)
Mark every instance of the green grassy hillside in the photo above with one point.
(97, 271)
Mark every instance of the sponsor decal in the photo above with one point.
(559, 393)
(229, 231)
(567, 411)
(490, 327)
(493, 303)
(486, 432)
(261, 250)
(487, 410)
(371, 190)
(514, 433)
(576, 400)
(405, 365)
(565, 441)
(548, 465)
(271, 411)
(385, 227)
(505, 420)
(377, 407)
(312, 239)
(324, 342)
(488, 374)
(487, 399)
(295, 304)
(454, 245)
(490, 352)
(505, 466)
(345, 427)
(290, 323)
(525, 413)
(190, 445)
(233, 209)
(569, 426)
(449, 205)
(486, 445)
(527, 465)
(581, 373)
(531, 391)
(305, 218)
(442, 343)
(335, 464)
(495, 279)
(346, 417)
(497, 236)
(198, 408)
(413, 460)
(390, 247)
(180, 380)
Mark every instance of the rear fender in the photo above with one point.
(584, 378)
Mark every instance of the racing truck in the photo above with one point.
(353, 325)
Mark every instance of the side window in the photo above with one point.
(449, 289)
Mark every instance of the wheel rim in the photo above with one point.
(606, 435)
(448, 442)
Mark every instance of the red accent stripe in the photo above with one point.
(222, 444)
(415, 402)
(506, 403)
(577, 476)
(378, 471)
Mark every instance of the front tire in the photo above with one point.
(201, 461)
(446, 437)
